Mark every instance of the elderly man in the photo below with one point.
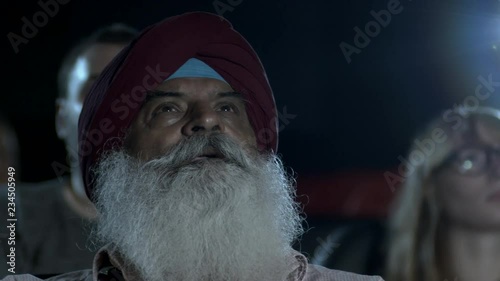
(177, 142)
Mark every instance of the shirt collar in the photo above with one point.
(109, 262)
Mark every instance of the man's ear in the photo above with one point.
(61, 119)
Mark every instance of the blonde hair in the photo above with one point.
(415, 219)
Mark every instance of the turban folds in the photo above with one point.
(117, 95)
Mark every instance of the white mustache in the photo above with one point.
(219, 145)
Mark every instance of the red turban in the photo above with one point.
(117, 95)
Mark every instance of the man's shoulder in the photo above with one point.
(21, 277)
(320, 273)
(81, 275)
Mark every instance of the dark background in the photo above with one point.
(354, 115)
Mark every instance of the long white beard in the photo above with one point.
(173, 219)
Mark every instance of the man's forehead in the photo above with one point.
(100, 54)
(89, 65)
(92, 61)
(488, 129)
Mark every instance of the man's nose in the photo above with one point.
(202, 119)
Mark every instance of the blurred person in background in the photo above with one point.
(54, 217)
(9, 150)
(446, 221)
(78, 72)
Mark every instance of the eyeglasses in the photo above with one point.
(473, 160)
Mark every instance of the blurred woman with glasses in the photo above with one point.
(446, 222)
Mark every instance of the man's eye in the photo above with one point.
(165, 108)
(227, 108)
(471, 159)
